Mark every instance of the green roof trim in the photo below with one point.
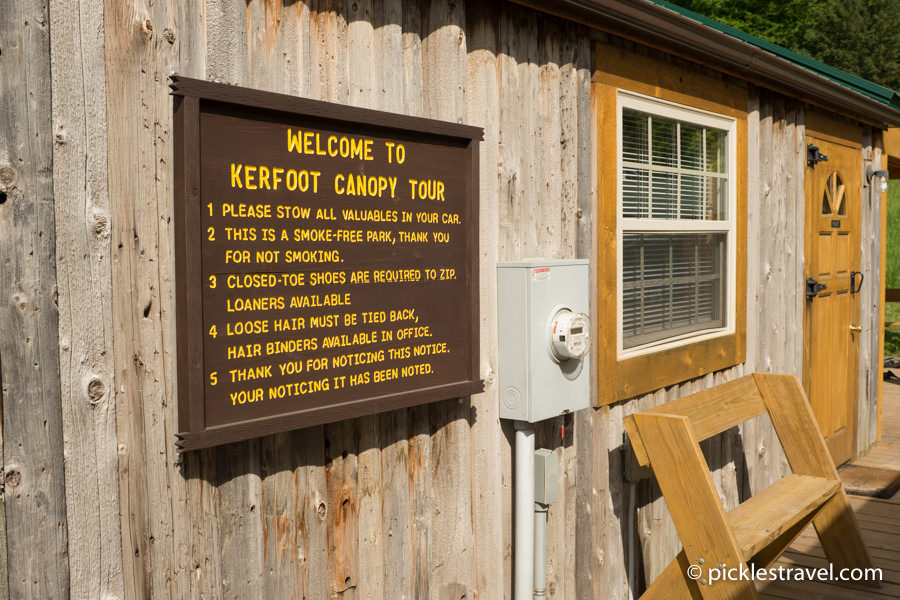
(862, 86)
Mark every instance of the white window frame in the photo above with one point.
(728, 226)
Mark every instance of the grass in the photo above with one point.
(892, 269)
(891, 334)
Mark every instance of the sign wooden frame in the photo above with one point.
(194, 100)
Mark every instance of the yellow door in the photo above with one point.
(831, 338)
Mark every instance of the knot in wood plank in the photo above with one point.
(13, 478)
(101, 225)
(96, 390)
(8, 177)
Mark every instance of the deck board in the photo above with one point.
(879, 521)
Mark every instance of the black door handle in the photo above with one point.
(813, 288)
(853, 287)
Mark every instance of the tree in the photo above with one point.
(781, 22)
(858, 36)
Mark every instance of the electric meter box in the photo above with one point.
(545, 333)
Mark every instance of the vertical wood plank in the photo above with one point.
(610, 435)
(201, 510)
(395, 490)
(412, 58)
(125, 34)
(226, 41)
(754, 207)
(140, 46)
(4, 559)
(489, 488)
(419, 428)
(363, 59)
(84, 288)
(195, 503)
(871, 360)
(300, 31)
(278, 506)
(799, 213)
(312, 564)
(874, 421)
(36, 557)
(395, 549)
(343, 523)
(420, 505)
(331, 42)
(545, 142)
(370, 509)
(586, 528)
(240, 527)
(546, 137)
(396, 516)
(451, 561)
(520, 209)
(271, 45)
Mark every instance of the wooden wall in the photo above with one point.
(416, 504)
(871, 305)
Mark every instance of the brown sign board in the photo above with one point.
(327, 261)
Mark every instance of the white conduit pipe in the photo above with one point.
(523, 576)
(540, 551)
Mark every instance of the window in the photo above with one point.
(676, 234)
(672, 165)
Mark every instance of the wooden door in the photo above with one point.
(831, 332)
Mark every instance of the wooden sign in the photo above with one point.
(326, 262)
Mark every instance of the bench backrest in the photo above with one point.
(711, 411)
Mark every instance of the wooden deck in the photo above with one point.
(879, 520)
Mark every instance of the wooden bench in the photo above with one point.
(759, 530)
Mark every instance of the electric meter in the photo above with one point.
(569, 335)
(544, 333)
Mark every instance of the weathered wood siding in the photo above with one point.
(412, 504)
(34, 550)
(380, 506)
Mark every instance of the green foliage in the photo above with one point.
(892, 269)
(781, 22)
(892, 342)
(859, 36)
(862, 38)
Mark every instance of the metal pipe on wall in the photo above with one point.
(523, 568)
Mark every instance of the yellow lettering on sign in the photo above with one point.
(310, 142)
(426, 189)
(293, 141)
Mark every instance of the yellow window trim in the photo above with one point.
(618, 69)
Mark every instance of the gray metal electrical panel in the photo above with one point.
(544, 332)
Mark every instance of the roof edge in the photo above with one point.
(661, 27)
